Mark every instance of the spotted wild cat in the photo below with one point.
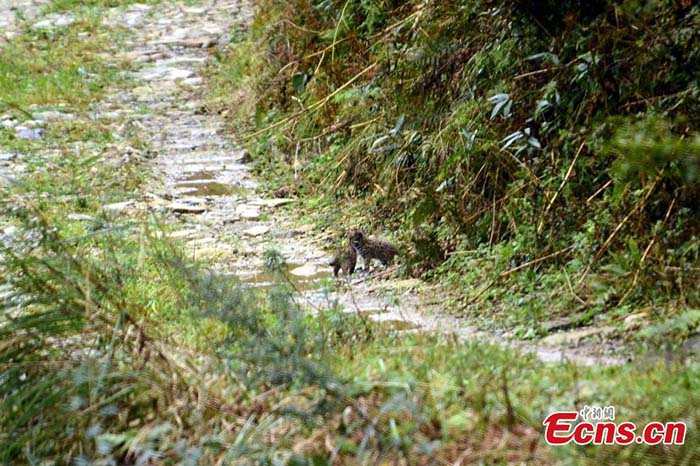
(370, 248)
(345, 260)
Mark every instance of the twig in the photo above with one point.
(16, 107)
(598, 191)
(534, 177)
(510, 413)
(561, 186)
(493, 211)
(335, 34)
(296, 162)
(326, 49)
(301, 28)
(534, 261)
(647, 100)
(331, 129)
(571, 288)
(382, 274)
(533, 73)
(365, 123)
(480, 293)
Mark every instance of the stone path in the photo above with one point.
(205, 185)
(12, 12)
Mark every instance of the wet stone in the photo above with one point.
(179, 60)
(7, 157)
(163, 74)
(575, 336)
(248, 212)
(55, 20)
(207, 188)
(182, 208)
(193, 82)
(51, 115)
(306, 270)
(29, 134)
(272, 202)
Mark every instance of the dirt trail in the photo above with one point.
(12, 12)
(208, 189)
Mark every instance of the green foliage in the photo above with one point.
(648, 147)
(542, 129)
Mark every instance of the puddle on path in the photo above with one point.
(204, 183)
(267, 280)
(208, 188)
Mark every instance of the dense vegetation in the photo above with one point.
(116, 347)
(550, 146)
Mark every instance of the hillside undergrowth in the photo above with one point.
(539, 156)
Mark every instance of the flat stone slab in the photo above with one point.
(179, 40)
(50, 115)
(7, 156)
(575, 335)
(118, 206)
(55, 20)
(248, 212)
(183, 233)
(182, 208)
(257, 230)
(164, 74)
(29, 134)
(272, 202)
(80, 217)
(306, 270)
(196, 81)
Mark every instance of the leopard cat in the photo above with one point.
(345, 260)
(370, 248)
